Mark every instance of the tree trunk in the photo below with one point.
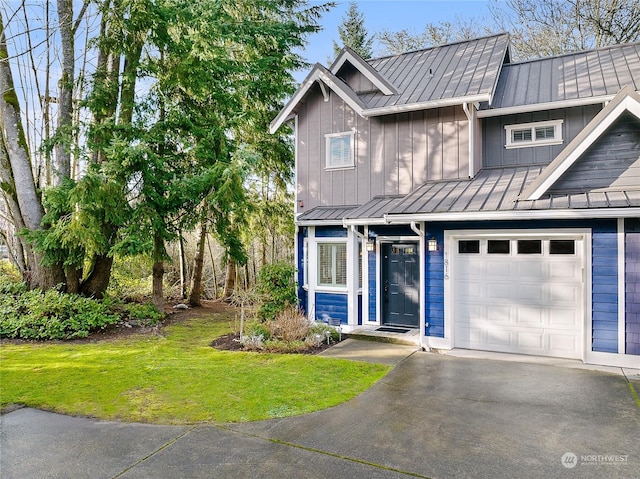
(158, 272)
(198, 263)
(213, 270)
(26, 194)
(65, 92)
(96, 283)
(183, 281)
(230, 279)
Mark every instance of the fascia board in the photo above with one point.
(564, 214)
(288, 109)
(387, 110)
(626, 100)
(497, 79)
(348, 55)
(318, 73)
(514, 110)
(318, 222)
(364, 221)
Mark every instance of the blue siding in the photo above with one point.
(371, 258)
(332, 305)
(605, 278)
(302, 293)
(632, 286)
(434, 284)
(331, 232)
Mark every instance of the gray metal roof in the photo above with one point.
(326, 213)
(490, 191)
(574, 76)
(498, 190)
(375, 208)
(458, 70)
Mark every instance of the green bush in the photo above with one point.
(321, 329)
(257, 329)
(131, 278)
(277, 287)
(145, 313)
(51, 315)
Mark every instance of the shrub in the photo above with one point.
(289, 325)
(324, 330)
(257, 329)
(145, 313)
(277, 287)
(51, 315)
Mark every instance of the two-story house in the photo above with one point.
(491, 205)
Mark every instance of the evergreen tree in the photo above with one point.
(353, 33)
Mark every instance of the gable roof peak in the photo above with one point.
(627, 100)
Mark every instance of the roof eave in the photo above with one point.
(387, 110)
(584, 213)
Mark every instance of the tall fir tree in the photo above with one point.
(354, 34)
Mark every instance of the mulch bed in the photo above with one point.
(229, 342)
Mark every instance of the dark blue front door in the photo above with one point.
(400, 284)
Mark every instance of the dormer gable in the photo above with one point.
(348, 58)
(624, 108)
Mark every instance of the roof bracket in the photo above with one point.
(325, 92)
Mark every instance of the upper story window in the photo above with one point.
(534, 134)
(340, 150)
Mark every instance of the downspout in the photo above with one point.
(467, 112)
(354, 230)
(416, 230)
(421, 293)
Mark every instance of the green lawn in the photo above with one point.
(176, 379)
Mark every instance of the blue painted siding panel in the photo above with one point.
(302, 293)
(331, 305)
(371, 258)
(604, 276)
(632, 286)
(434, 284)
(331, 232)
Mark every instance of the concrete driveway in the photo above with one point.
(433, 416)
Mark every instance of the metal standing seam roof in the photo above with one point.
(491, 190)
(573, 76)
(326, 213)
(457, 70)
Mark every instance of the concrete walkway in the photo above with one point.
(432, 416)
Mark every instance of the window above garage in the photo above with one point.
(534, 134)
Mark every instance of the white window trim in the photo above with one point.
(328, 138)
(557, 140)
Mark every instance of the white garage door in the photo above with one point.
(519, 295)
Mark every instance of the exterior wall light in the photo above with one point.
(371, 245)
(432, 244)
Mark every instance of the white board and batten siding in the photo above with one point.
(517, 303)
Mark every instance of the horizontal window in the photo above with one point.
(534, 134)
(562, 247)
(468, 246)
(340, 150)
(498, 246)
(529, 247)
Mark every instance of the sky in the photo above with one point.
(390, 15)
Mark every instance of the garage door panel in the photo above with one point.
(529, 341)
(523, 303)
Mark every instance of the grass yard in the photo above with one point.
(175, 378)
